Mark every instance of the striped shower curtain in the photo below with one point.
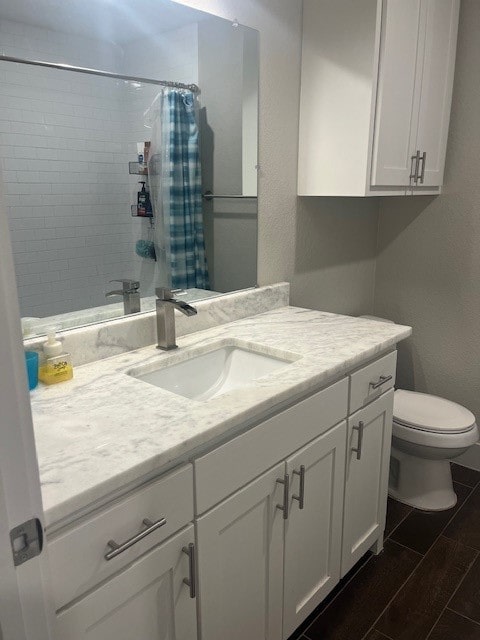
(175, 184)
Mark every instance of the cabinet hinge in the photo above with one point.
(26, 540)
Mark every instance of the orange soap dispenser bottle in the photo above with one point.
(56, 365)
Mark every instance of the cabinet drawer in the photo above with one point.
(234, 464)
(145, 600)
(77, 556)
(366, 384)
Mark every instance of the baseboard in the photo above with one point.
(471, 457)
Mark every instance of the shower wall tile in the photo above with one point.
(65, 141)
(66, 191)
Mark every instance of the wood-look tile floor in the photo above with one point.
(424, 586)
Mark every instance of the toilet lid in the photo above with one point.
(430, 413)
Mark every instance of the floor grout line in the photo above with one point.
(400, 587)
(414, 570)
(400, 544)
(463, 616)
(454, 592)
(469, 486)
(422, 557)
(397, 525)
(477, 553)
(442, 530)
(372, 628)
(462, 506)
(333, 600)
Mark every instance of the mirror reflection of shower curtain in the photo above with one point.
(175, 190)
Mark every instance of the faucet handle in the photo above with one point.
(129, 286)
(164, 293)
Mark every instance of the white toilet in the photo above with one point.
(427, 433)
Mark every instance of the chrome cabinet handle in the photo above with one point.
(301, 495)
(381, 380)
(116, 549)
(191, 580)
(284, 507)
(358, 449)
(414, 171)
(423, 160)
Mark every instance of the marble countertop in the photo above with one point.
(105, 430)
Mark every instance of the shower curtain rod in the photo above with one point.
(97, 72)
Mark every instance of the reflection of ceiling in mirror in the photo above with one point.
(117, 21)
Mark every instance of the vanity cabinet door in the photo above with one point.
(366, 478)
(313, 531)
(146, 601)
(240, 563)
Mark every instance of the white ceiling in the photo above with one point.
(117, 21)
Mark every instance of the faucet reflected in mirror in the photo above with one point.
(70, 153)
(130, 293)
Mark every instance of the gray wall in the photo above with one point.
(230, 225)
(324, 247)
(428, 268)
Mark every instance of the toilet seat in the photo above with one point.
(434, 439)
(424, 412)
(423, 419)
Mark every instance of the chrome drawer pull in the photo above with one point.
(381, 380)
(358, 449)
(414, 170)
(301, 495)
(191, 580)
(116, 549)
(424, 162)
(284, 507)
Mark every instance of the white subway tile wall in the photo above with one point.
(65, 142)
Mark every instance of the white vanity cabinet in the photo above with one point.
(377, 79)
(139, 590)
(146, 601)
(263, 525)
(271, 550)
(240, 563)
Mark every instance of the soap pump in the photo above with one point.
(56, 365)
(144, 205)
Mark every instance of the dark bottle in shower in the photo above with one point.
(144, 205)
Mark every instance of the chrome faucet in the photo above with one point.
(130, 293)
(166, 305)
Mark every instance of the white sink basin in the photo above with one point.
(209, 374)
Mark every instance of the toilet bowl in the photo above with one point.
(427, 433)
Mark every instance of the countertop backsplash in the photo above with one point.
(103, 340)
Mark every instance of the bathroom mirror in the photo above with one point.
(76, 147)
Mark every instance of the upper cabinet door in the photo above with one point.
(395, 115)
(436, 69)
(376, 90)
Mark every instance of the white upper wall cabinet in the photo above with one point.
(376, 91)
